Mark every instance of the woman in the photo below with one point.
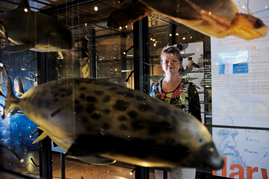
(172, 88)
(178, 92)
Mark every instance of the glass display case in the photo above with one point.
(65, 60)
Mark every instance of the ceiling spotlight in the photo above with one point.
(25, 10)
(120, 27)
(176, 34)
(183, 38)
(131, 173)
(170, 35)
(96, 8)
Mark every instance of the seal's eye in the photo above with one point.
(258, 24)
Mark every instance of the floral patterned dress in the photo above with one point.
(185, 96)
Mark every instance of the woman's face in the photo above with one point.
(170, 64)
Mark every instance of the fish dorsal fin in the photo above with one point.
(18, 86)
(11, 99)
(24, 4)
(41, 137)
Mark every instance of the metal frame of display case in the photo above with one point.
(46, 72)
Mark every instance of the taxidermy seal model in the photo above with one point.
(99, 122)
(34, 31)
(216, 18)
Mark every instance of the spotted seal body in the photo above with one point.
(88, 117)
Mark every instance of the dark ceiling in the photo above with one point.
(79, 15)
(72, 12)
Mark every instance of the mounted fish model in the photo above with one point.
(216, 18)
(34, 31)
(100, 122)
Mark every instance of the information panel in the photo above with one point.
(240, 97)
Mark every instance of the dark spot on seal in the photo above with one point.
(106, 111)
(129, 95)
(174, 120)
(125, 94)
(55, 99)
(163, 111)
(89, 127)
(91, 99)
(82, 96)
(55, 95)
(121, 105)
(113, 88)
(106, 99)
(137, 126)
(132, 114)
(76, 101)
(169, 141)
(106, 126)
(90, 108)
(154, 130)
(165, 125)
(83, 119)
(96, 116)
(78, 108)
(140, 98)
(122, 118)
(43, 93)
(47, 103)
(151, 142)
(123, 127)
(62, 95)
(176, 113)
(83, 88)
(120, 92)
(145, 107)
(98, 93)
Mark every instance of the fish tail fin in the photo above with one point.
(11, 100)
